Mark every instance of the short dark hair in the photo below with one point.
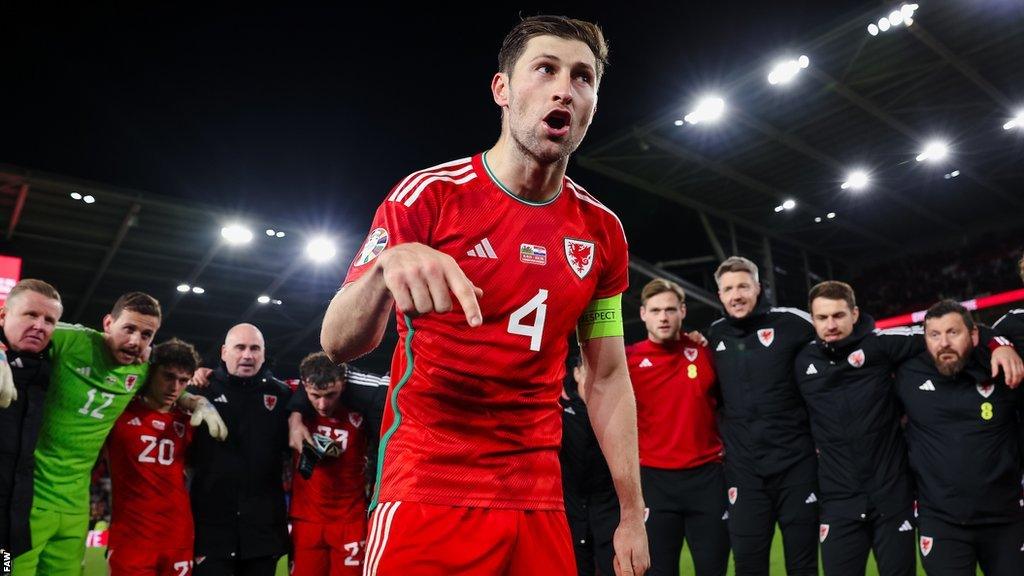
(138, 302)
(514, 45)
(832, 290)
(320, 371)
(660, 286)
(175, 353)
(33, 285)
(943, 307)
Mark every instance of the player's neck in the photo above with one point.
(154, 405)
(523, 175)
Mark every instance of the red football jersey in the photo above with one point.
(336, 492)
(147, 476)
(472, 417)
(675, 404)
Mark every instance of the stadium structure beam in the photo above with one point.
(960, 64)
(693, 291)
(733, 239)
(302, 335)
(756, 185)
(802, 147)
(807, 270)
(19, 205)
(876, 111)
(712, 237)
(680, 199)
(130, 218)
(769, 271)
(709, 259)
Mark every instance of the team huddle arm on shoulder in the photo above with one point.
(612, 409)
(901, 343)
(1003, 356)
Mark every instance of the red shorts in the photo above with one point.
(322, 549)
(426, 540)
(140, 562)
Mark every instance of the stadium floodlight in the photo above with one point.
(779, 208)
(88, 199)
(873, 29)
(830, 215)
(896, 17)
(934, 151)
(271, 231)
(276, 302)
(198, 290)
(856, 180)
(264, 299)
(904, 16)
(280, 234)
(708, 109)
(783, 72)
(883, 24)
(679, 122)
(789, 204)
(184, 288)
(817, 219)
(320, 249)
(236, 234)
(76, 196)
(1016, 122)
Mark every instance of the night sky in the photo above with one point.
(315, 110)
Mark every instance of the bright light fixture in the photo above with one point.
(1015, 122)
(198, 290)
(708, 109)
(236, 234)
(320, 249)
(784, 72)
(76, 196)
(789, 204)
(184, 288)
(88, 199)
(934, 151)
(264, 299)
(856, 180)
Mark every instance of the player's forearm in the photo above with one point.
(612, 409)
(356, 318)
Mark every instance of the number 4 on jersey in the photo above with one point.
(536, 330)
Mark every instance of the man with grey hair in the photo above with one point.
(770, 466)
(237, 489)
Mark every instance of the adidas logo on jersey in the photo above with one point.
(222, 398)
(811, 369)
(84, 371)
(135, 421)
(483, 250)
(17, 363)
(726, 515)
(906, 526)
(927, 386)
(646, 363)
(811, 499)
(569, 410)
(721, 347)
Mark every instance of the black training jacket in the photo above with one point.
(962, 437)
(237, 485)
(764, 421)
(855, 419)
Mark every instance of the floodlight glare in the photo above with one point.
(88, 199)
(271, 231)
(679, 122)
(320, 249)
(264, 299)
(817, 219)
(784, 72)
(830, 215)
(198, 290)
(236, 234)
(873, 29)
(856, 180)
(76, 196)
(934, 151)
(1015, 122)
(184, 288)
(789, 204)
(896, 17)
(779, 208)
(280, 234)
(708, 109)
(883, 24)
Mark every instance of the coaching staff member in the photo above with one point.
(237, 490)
(962, 435)
(769, 455)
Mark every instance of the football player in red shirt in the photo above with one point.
(151, 530)
(469, 477)
(680, 449)
(328, 509)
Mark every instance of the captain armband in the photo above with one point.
(601, 319)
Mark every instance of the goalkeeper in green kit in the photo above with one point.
(95, 375)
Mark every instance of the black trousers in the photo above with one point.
(952, 550)
(686, 505)
(262, 566)
(592, 529)
(845, 544)
(757, 503)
